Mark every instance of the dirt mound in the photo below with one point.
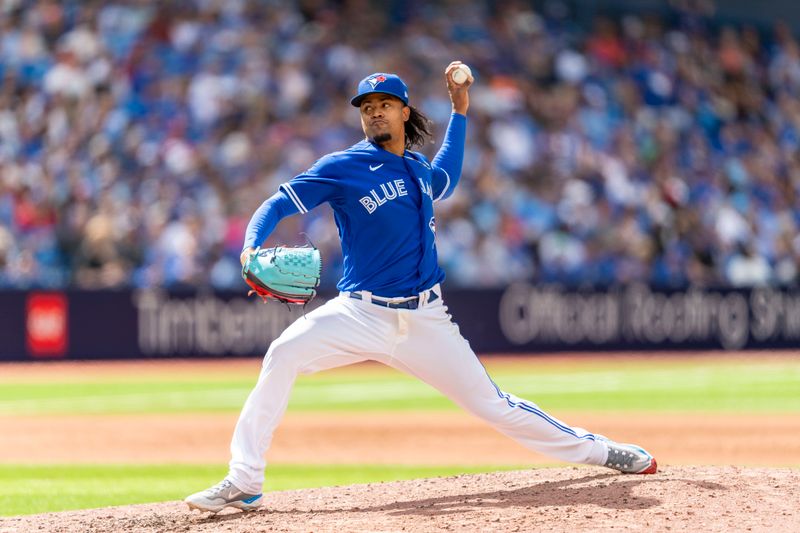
(565, 499)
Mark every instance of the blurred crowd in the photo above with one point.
(137, 138)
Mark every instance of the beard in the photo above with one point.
(382, 138)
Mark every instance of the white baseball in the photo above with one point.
(461, 74)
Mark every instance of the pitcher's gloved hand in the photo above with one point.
(287, 274)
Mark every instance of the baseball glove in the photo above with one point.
(289, 275)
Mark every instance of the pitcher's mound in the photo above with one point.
(684, 498)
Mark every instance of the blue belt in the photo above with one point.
(411, 303)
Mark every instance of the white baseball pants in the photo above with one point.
(422, 342)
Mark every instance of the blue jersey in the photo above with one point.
(383, 207)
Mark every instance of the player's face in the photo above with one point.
(383, 117)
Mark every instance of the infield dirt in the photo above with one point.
(680, 498)
(410, 438)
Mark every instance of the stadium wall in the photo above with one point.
(523, 318)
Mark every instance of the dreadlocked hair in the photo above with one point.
(418, 129)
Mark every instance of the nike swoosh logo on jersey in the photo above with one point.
(376, 167)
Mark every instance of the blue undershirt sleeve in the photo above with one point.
(266, 217)
(447, 163)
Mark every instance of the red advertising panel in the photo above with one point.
(46, 324)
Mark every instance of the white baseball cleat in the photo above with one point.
(223, 494)
(629, 458)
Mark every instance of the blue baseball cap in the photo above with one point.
(381, 83)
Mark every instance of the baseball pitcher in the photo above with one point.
(390, 306)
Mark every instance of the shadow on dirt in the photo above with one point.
(615, 494)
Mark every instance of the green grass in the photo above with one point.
(40, 489)
(716, 386)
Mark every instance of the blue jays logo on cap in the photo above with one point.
(375, 80)
(381, 83)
